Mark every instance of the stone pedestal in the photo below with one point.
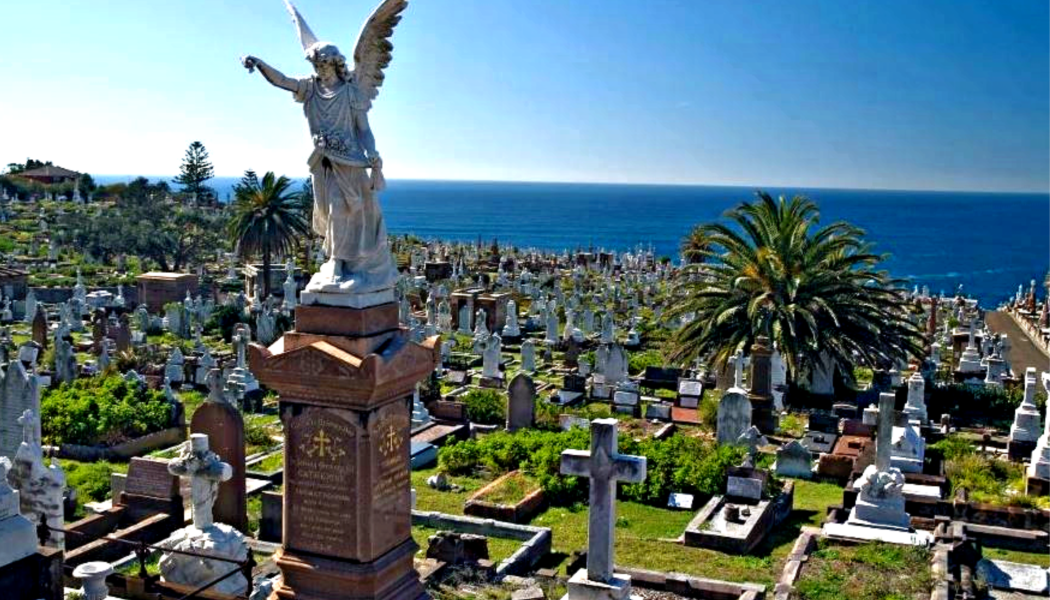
(346, 377)
(582, 588)
(763, 412)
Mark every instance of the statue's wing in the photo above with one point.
(372, 53)
(306, 36)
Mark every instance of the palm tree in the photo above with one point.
(266, 219)
(694, 245)
(814, 290)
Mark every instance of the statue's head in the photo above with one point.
(327, 60)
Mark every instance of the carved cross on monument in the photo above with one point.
(604, 466)
(738, 369)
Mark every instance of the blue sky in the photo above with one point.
(891, 94)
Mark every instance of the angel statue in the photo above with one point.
(360, 270)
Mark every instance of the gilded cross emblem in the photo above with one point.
(324, 446)
(390, 441)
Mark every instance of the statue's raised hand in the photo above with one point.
(250, 62)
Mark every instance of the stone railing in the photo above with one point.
(1030, 327)
(536, 540)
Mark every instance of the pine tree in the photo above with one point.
(196, 169)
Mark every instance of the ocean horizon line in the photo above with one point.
(752, 188)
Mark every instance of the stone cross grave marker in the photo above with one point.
(206, 471)
(604, 466)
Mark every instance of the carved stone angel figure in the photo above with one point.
(336, 101)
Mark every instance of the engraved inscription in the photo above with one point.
(150, 478)
(390, 494)
(320, 483)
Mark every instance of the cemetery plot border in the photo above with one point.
(521, 511)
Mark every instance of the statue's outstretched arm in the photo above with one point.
(275, 77)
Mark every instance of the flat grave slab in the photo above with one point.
(875, 534)
(689, 416)
(438, 433)
(1005, 575)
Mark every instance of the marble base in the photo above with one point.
(883, 513)
(581, 588)
(221, 541)
(347, 300)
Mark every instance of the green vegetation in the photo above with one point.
(258, 435)
(1041, 559)
(485, 406)
(103, 410)
(266, 219)
(638, 361)
(677, 464)
(91, 480)
(774, 271)
(870, 571)
(986, 479)
(511, 489)
(793, 424)
(195, 170)
(269, 464)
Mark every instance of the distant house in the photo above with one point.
(50, 175)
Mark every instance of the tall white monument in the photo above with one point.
(345, 166)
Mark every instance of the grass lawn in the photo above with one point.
(499, 548)
(1041, 559)
(512, 489)
(870, 571)
(90, 479)
(451, 503)
(641, 529)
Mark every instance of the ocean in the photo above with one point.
(987, 242)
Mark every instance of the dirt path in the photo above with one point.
(1023, 353)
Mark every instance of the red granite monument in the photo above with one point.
(346, 378)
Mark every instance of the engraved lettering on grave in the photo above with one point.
(321, 483)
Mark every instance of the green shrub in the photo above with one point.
(485, 406)
(640, 360)
(222, 321)
(677, 464)
(257, 432)
(91, 480)
(102, 410)
(954, 447)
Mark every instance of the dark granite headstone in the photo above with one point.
(574, 383)
(824, 422)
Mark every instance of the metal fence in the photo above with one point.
(142, 552)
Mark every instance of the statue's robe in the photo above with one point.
(346, 211)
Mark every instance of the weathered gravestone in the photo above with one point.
(521, 402)
(794, 460)
(149, 488)
(19, 392)
(734, 417)
(40, 326)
